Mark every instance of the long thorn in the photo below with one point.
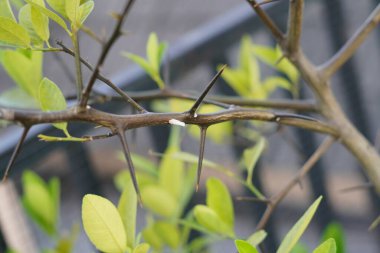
(201, 153)
(197, 103)
(15, 152)
(128, 158)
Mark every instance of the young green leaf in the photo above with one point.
(57, 19)
(72, 12)
(274, 82)
(150, 235)
(127, 208)
(219, 200)
(249, 64)
(256, 238)
(17, 98)
(52, 99)
(103, 224)
(58, 6)
(40, 23)
(84, 11)
(169, 233)
(328, 246)
(251, 156)
(141, 248)
(6, 10)
(23, 70)
(245, 247)
(300, 248)
(159, 201)
(298, 229)
(210, 220)
(172, 171)
(13, 34)
(334, 230)
(25, 19)
(39, 202)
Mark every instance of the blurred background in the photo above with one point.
(201, 35)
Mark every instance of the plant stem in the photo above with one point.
(78, 65)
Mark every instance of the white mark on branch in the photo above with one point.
(177, 122)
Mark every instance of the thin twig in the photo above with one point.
(78, 65)
(15, 153)
(294, 26)
(280, 37)
(276, 199)
(114, 36)
(197, 103)
(348, 49)
(123, 94)
(362, 186)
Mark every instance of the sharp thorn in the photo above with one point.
(131, 167)
(15, 152)
(197, 103)
(201, 153)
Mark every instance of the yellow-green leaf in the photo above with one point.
(159, 201)
(150, 235)
(127, 208)
(251, 156)
(17, 98)
(169, 233)
(244, 247)
(39, 202)
(152, 51)
(272, 83)
(52, 99)
(210, 220)
(23, 70)
(57, 19)
(219, 200)
(298, 229)
(329, 246)
(84, 11)
(25, 19)
(59, 6)
(256, 238)
(6, 10)
(141, 248)
(103, 225)
(335, 230)
(12, 33)
(40, 23)
(72, 10)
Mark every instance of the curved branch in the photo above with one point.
(334, 63)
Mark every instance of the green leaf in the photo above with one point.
(172, 171)
(66, 243)
(127, 208)
(245, 247)
(54, 187)
(210, 220)
(84, 11)
(40, 23)
(39, 202)
(256, 238)
(334, 230)
(251, 156)
(219, 200)
(169, 233)
(298, 229)
(159, 201)
(58, 6)
(237, 80)
(272, 83)
(150, 235)
(25, 18)
(52, 99)
(300, 248)
(328, 246)
(141, 248)
(17, 98)
(152, 51)
(12, 33)
(72, 11)
(57, 19)
(103, 224)
(6, 10)
(249, 64)
(23, 70)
